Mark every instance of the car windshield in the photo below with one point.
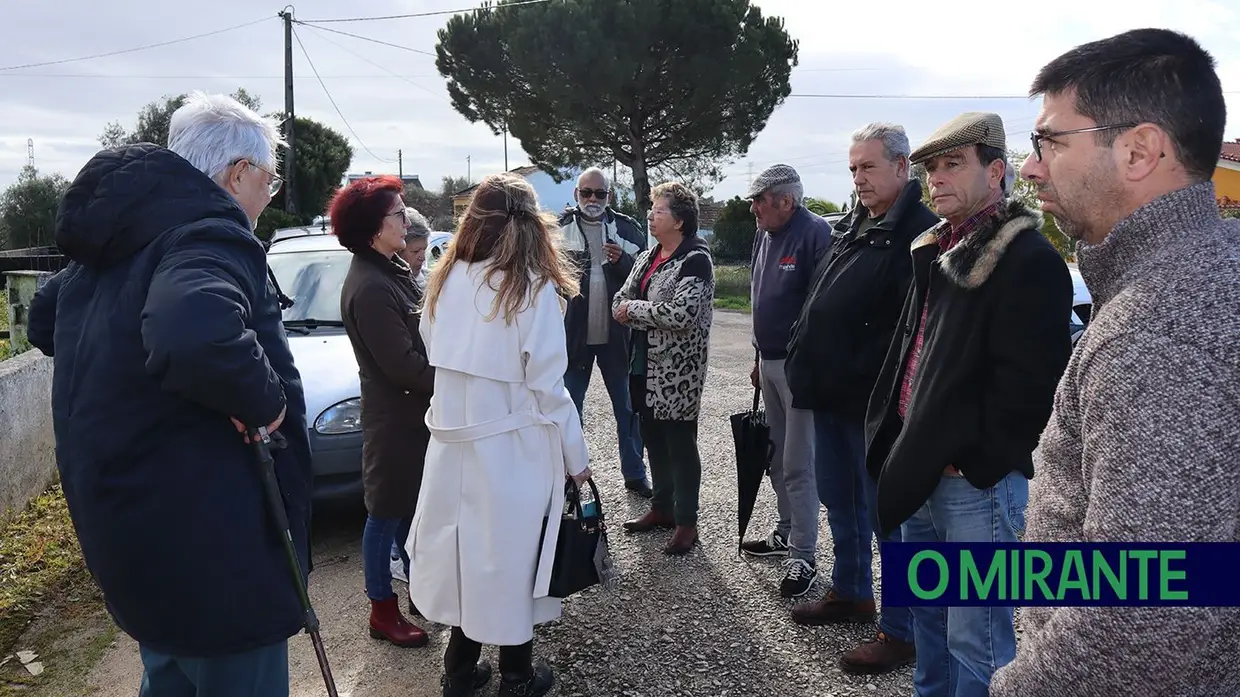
(313, 280)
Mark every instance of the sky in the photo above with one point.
(389, 99)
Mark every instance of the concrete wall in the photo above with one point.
(27, 446)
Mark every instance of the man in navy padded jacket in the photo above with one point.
(167, 341)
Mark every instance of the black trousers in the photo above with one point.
(515, 662)
(675, 468)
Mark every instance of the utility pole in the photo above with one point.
(400, 166)
(505, 148)
(290, 131)
(468, 176)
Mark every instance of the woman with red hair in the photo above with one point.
(379, 305)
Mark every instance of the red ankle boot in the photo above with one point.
(388, 624)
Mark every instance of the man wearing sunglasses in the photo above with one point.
(604, 244)
(167, 342)
(1143, 443)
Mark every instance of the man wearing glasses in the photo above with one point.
(1142, 445)
(167, 340)
(603, 243)
(966, 387)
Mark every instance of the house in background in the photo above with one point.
(554, 196)
(1227, 176)
(408, 179)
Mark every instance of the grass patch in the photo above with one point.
(49, 603)
(39, 559)
(732, 288)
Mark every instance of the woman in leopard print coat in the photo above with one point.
(667, 301)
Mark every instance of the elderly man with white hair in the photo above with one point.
(167, 343)
(789, 243)
(603, 243)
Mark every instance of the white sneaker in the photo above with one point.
(398, 570)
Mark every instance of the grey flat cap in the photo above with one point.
(973, 128)
(772, 176)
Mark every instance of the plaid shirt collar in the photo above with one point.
(956, 233)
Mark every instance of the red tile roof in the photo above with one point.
(1231, 151)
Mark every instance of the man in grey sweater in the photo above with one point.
(1144, 441)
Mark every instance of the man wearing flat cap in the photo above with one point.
(967, 386)
(789, 242)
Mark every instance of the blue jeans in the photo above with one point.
(261, 672)
(614, 366)
(849, 494)
(377, 540)
(960, 648)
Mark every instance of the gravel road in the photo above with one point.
(709, 624)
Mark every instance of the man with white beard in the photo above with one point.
(603, 243)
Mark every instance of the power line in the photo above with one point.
(135, 76)
(332, 100)
(380, 66)
(924, 96)
(366, 38)
(132, 50)
(425, 14)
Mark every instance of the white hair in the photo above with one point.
(212, 131)
(892, 136)
(599, 172)
(419, 228)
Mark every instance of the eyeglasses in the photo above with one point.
(407, 214)
(276, 182)
(1036, 137)
(600, 194)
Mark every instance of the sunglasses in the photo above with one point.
(600, 194)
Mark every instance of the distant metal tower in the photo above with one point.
(30, 152)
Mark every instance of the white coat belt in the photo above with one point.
(513, 422)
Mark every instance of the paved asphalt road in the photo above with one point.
(706, 625)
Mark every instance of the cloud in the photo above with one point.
(905, 48)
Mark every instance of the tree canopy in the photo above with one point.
(646, 83)
(28, 209)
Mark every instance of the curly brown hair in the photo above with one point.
(504, 226)
(682, 203)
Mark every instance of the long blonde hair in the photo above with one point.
(504, 227)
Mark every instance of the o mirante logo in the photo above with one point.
(964, 574)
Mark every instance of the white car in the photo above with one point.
(1082, 304)
(310, 267)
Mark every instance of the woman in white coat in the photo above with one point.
(504, 436)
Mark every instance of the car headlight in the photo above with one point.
(342, 417)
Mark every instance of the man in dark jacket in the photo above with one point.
(836, 351)
(967, 385)
(167, 343)
(788, 245)
(603, 244)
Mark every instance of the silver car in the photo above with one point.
(310, 267)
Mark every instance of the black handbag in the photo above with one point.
(582, 558)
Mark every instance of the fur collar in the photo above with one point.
(970, 263)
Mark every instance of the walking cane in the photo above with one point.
(262, 442)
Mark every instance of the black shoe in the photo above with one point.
(640, 487)
(467, 685)
(536, 685)
(799, 577)
(773, 546)
(413, 610)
